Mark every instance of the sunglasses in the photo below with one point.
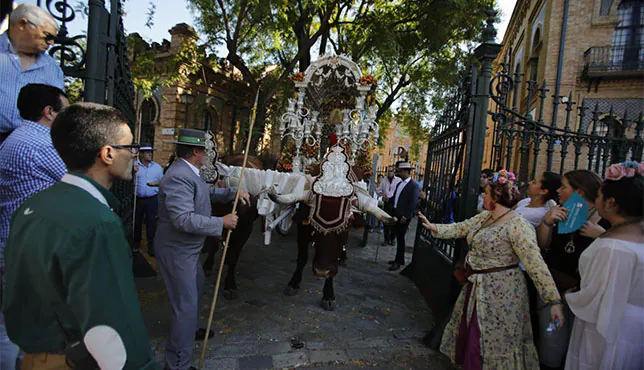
(133, 148)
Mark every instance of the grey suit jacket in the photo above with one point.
(185, 211)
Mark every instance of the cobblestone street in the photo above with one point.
(379, 322)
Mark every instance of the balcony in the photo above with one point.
(614, 61)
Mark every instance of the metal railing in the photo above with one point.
(614, 59)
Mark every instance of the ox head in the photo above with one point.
(328, 249)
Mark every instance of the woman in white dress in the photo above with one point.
(608, 332)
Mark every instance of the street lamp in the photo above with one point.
(186, 99)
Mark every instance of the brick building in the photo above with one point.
(222, 104)
(396, 146)
(599, 61)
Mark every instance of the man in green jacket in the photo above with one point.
(68, 264)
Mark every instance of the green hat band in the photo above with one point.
(190, 139)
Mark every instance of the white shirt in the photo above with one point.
(192, 167)
(533, 215)
(401, 186)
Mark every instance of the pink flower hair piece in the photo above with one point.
(626, 169)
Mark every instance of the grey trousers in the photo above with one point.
(185, 281)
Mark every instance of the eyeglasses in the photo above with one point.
(133, 148)
(48, 36)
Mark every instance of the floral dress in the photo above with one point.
(496, 304)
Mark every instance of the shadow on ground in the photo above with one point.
(379, 321)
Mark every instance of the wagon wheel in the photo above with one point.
(285, 225)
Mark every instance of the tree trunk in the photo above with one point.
(325, 38)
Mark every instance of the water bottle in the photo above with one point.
(552, 327)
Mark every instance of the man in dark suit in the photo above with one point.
(405, 201)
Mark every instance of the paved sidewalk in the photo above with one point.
(378, 323)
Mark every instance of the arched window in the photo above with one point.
(148, 117)
(207, 119)
(534, 55)
(148, 111)
(627, 52)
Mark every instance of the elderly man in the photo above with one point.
(68, 262)
(147, 172)
(23, 60)
(184, 223)
(28, 164)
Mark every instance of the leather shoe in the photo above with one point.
(395, 266)
(201, 334)
(391, 262)
(384, 244)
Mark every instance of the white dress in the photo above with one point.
(608, 332)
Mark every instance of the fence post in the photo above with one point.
(485, 53)
(96, 52)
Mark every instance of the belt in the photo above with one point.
(151, 196)
(470, 271)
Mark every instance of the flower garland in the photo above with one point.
(626, 169)
(368, 80)
(297, 77)
(309, 151)
(285, 163)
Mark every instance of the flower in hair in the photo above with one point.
(625, 169)
(503, 177)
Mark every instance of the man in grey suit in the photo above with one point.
(184, 222)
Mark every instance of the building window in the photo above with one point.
(627, 51)
(534, 58)
(148, 116)
(604, 8)
(207, 119)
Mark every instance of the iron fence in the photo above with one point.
(588, 138)
(100, 59)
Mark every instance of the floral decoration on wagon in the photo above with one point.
(368, 80)
(297, 77)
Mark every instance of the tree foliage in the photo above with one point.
(415, 48)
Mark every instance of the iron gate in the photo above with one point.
(100, 59)
(452, 180)
(591, 137)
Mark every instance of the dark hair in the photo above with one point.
(585, 180)
(551, 181)
(628, 193)
(81, 130)
(488, 172)
(506, 194)
(33, 98)
(184, 151)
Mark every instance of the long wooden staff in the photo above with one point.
(223, 254)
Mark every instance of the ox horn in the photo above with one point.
(369, 205)
(288, 198)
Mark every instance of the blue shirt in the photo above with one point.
(28, 164)
(152, 172)
(13, 78)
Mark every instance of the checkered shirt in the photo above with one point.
(43, 71)
(28, 164)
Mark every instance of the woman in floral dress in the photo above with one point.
(490, 325)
